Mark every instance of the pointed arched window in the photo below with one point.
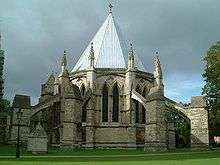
(83, 89)
(105, 103)
(143, 110)
(115, 110)
(137, 105)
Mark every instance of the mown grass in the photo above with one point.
(8, 150)
(113, 156)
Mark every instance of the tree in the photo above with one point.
(212, 87)
(4, 111)
(5, 105)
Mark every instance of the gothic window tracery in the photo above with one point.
(83, 89)
(105, 103)
(115, 110)
(137, 105)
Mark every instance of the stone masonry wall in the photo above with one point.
(113, 137)
(198, 116)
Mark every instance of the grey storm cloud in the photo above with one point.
(35, 33)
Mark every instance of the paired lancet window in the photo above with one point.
(115, 103)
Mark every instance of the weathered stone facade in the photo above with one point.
(198, 118)
(96, 106)
(127, 132)
(23, 103)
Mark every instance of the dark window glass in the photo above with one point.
(84, 113)
(83, 135)
(105, 103)
(115, 111)
(83, 89)
(136, 111)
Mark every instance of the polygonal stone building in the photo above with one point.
(109, 100)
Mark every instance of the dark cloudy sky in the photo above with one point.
(35, 33)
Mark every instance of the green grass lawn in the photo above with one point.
(107, 157)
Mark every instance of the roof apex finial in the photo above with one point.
(158, 71)
(157, 57)
(91, 48)
(110, 7)
(131, 45)
(131, 58)
(157, 64)
(157, 54)
(91, 54)
(64, 61)
(91, 57)
(131, 52)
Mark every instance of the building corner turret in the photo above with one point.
(56, 85)
(130, 77)
(71, 105)
(156, 106)
(91, 75)
(158, 74)
(64, 74)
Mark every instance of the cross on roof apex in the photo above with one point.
(110, 8)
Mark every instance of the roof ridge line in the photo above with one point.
(102, 40)
(121, 40)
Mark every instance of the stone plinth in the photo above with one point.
(37, 140)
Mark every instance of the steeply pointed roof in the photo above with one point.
(109, 49)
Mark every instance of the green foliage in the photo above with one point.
(212, 87)
(4, 105)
